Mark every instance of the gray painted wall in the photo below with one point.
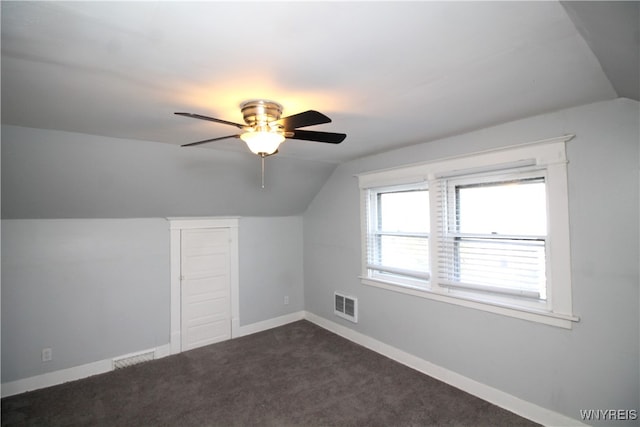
(53, 174)
(90, 289)
(592, 366)
(93, 289)
(270, 267)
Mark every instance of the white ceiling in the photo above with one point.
(389, 74)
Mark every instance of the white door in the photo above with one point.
(205, 287)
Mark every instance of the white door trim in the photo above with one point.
(176, 225)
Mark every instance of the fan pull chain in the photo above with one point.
(262, 162)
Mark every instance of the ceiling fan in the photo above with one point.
(265, 130)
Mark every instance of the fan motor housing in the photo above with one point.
(260, 111)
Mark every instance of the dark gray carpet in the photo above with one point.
(294, 375)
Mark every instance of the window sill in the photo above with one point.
(538, 316)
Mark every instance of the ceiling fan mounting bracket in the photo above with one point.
(260, 112)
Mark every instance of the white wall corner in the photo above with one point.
(269, 324)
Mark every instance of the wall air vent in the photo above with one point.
(345, 307)
(133, 359)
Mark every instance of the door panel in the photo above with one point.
(206, 287)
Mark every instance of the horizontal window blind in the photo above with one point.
(514, 267)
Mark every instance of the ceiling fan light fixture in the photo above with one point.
(263, 142)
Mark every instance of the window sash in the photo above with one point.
(510, 265)
(409, 262)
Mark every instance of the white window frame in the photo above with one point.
(548, 156)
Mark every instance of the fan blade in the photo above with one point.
(310, 135)
(209, 140)
(300, 120)
(211, 119)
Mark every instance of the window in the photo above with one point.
(398, 234)
(477, 231)
(493, 235)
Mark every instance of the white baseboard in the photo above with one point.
(499, 398)
(269, 324)
(100, 367)
(70, 374)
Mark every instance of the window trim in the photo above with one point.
(548, 154)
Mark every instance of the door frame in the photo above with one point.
(176, 225)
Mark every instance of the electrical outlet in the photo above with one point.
(47, 354)
(286, 299)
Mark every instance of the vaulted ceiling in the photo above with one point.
(389, 74)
